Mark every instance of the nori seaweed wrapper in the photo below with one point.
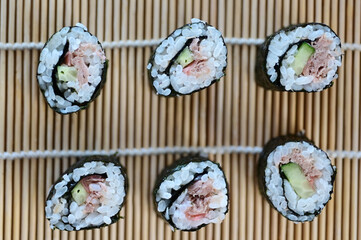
(72, 184)
(262, 164)
(174, 167)
(57, 91)
(262, 78)
(174, 93)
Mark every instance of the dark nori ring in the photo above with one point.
(262, 78)
(270, 146)
(174, 167)
(71, 184)
(56, 88)
(174, 93)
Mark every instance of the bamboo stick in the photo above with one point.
(331, 216)
(132, 192)
(251, 135)
(33, 108)
(277, 223)
(268, 129)
(349, 231)
(3, 36)
(340, 225)
(2, 194)
(356, 128)
(148, 218)
(324, 120)
(9, 130)
(260, 211)
(154, 123)
(140, 68)
(243, 124)
(233, 64)
(16, 220)
(41, 233)
(25, 210)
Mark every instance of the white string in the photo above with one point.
(156, 151)
(153, 42)
(129, 152)
(21, 46)
(352, 46)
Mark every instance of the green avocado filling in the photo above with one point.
(67, 74)
(305, 51)
(297, 179)
(185, 57)
(79, 194)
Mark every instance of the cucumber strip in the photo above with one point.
(305, 51)
(185, 57)
(67, 74)
(79, 194)
(297, 179)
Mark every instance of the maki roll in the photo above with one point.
(190, 59)
(192, 193)
(296, 177)
(72, 69)
(88, 195)
(302, 57)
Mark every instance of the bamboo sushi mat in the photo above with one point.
(230, 121)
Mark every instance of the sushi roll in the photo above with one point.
(88, 195)
(191, 58)
(192, 193)
(296, 177)
(72, 69)
(302, 57)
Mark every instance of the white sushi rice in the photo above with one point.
(69, 216)
(212, 48)
(175, 211)
(285, 199)
(278, 47)
(72, 91)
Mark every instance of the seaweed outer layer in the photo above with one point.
(262, 164)
(97, 89)
(262, 78)
(71, 184)
(174, 167)
(173, 92)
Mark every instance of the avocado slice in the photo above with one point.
(297, 179)
(67, 74)
(79, 194)
(185, 57)
(304, 53)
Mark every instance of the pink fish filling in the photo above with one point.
(317, 64)
(306, 164)
(94, 185)
(78, 60)
(199, 195)
(199, 67)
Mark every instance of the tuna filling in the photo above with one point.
(77, 67)
(317, 64)
(197, 64)
(306, 164)
(90, 191)
(197, 204)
